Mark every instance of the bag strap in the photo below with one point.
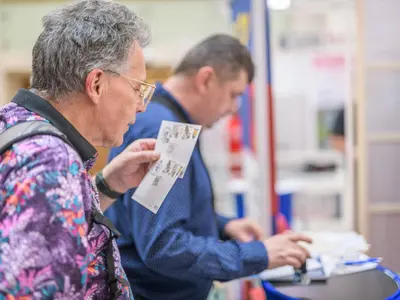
(113, 280)
(24, 130)
(163, 100)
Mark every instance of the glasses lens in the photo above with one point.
(148, 92)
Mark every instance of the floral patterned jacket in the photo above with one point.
(46, 197)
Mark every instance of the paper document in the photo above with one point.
(326, 265)
(175, 143)
(342, 269)
(327, 243)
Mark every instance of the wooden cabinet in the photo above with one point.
(101, 159)
(13, 81)
(156, 73)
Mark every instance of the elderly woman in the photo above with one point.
(88, 83)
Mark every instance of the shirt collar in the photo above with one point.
(162, 91)
(43, 108)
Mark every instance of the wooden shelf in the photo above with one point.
(383, 66)
(13, 81)
(101, 159)
(384, 208)
(384, 138)
(155, 73)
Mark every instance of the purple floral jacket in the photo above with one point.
(46, 197)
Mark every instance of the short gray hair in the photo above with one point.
(80, 37)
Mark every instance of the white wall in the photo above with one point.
(176, 25)
(300, 89)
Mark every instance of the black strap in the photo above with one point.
(104, 188)
(99, 218)
(28, 129)
(34, 103)
(164, 100)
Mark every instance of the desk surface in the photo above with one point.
(369, 285)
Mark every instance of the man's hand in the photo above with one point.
(128, 169)
(244, 230)
(283, 250)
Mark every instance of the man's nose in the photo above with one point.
(141, 107)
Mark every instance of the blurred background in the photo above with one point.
(323, 58)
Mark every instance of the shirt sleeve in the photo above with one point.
(168, 248)
(221, 223)
(44, 248)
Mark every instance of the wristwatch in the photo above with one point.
(103, 187)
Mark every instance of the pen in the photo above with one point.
(362, 262)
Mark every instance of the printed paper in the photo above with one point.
(157, 183)
(175, 143)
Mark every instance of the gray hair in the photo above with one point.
(80, 37)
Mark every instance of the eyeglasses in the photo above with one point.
(146, 90)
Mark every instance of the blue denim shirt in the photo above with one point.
(177, 253)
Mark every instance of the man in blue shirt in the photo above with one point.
(177, 253)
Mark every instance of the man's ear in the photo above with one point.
(95, 84)
(204, 78)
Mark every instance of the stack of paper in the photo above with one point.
(330, 250)
(341, 269)
(336, 243)
(325, 265)
(175, 143)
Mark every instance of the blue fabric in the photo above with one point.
(177, 253)
(274, 294)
